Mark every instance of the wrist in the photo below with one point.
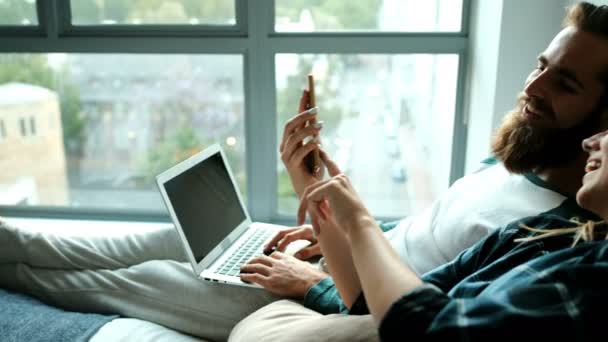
(299, 187)
(313, 279)
(361, 220)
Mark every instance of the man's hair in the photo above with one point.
(593, 19)
(590, 18)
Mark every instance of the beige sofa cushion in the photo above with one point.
(287, 320)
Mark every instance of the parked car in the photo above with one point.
(398, 173)
(392, 147)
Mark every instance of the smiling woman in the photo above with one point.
(594, 192)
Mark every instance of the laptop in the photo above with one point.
(207, 210)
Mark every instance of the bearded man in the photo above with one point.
(537, 168)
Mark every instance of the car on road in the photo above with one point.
(398, 174)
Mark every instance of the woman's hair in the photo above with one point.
(589, 231)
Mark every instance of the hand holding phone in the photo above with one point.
(312, 160)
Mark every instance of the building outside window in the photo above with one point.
(139, 86)
(32, 126)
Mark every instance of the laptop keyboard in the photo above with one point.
(246, 251)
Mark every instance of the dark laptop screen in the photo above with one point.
(206, 204)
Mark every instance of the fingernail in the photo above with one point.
(317, 139)
(311, 111)
(318, 125)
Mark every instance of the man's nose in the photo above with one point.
(536, 86)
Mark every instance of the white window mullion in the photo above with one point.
(260, 120)
(459, 138)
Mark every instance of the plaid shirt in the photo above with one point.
(503, 290)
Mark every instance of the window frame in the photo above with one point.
(255, 39)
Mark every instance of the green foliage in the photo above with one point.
(12, 12)
(285, 187)
(34, 69)
(180, 145)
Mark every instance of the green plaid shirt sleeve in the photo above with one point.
(540, 290)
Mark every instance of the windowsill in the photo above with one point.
(86, 227)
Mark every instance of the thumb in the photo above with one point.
(308, 252)
(332, 168)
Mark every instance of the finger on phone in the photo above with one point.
(298, 122)
(306, 199)
(298, 137)
(332, 168)
(300, 153)
(304, 100)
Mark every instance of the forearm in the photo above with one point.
(336, 251)
(384, 278)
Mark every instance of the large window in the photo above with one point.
(387, 122)
(98, 97)
(115, 121)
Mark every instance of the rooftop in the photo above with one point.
(19, 93)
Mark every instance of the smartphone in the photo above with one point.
(312, 160)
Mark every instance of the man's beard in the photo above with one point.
(523, 148)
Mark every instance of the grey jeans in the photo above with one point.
(140, 274)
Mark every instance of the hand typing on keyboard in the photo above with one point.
(282, 274)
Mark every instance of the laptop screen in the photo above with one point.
(206, 204)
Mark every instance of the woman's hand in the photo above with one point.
(293, 150)
(333, 201)
(286, 236)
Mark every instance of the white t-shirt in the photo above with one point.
(470, 209)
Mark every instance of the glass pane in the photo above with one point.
(142, 12)
(388, 123)
(93, 130)
(368, 15)
(18, 12)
